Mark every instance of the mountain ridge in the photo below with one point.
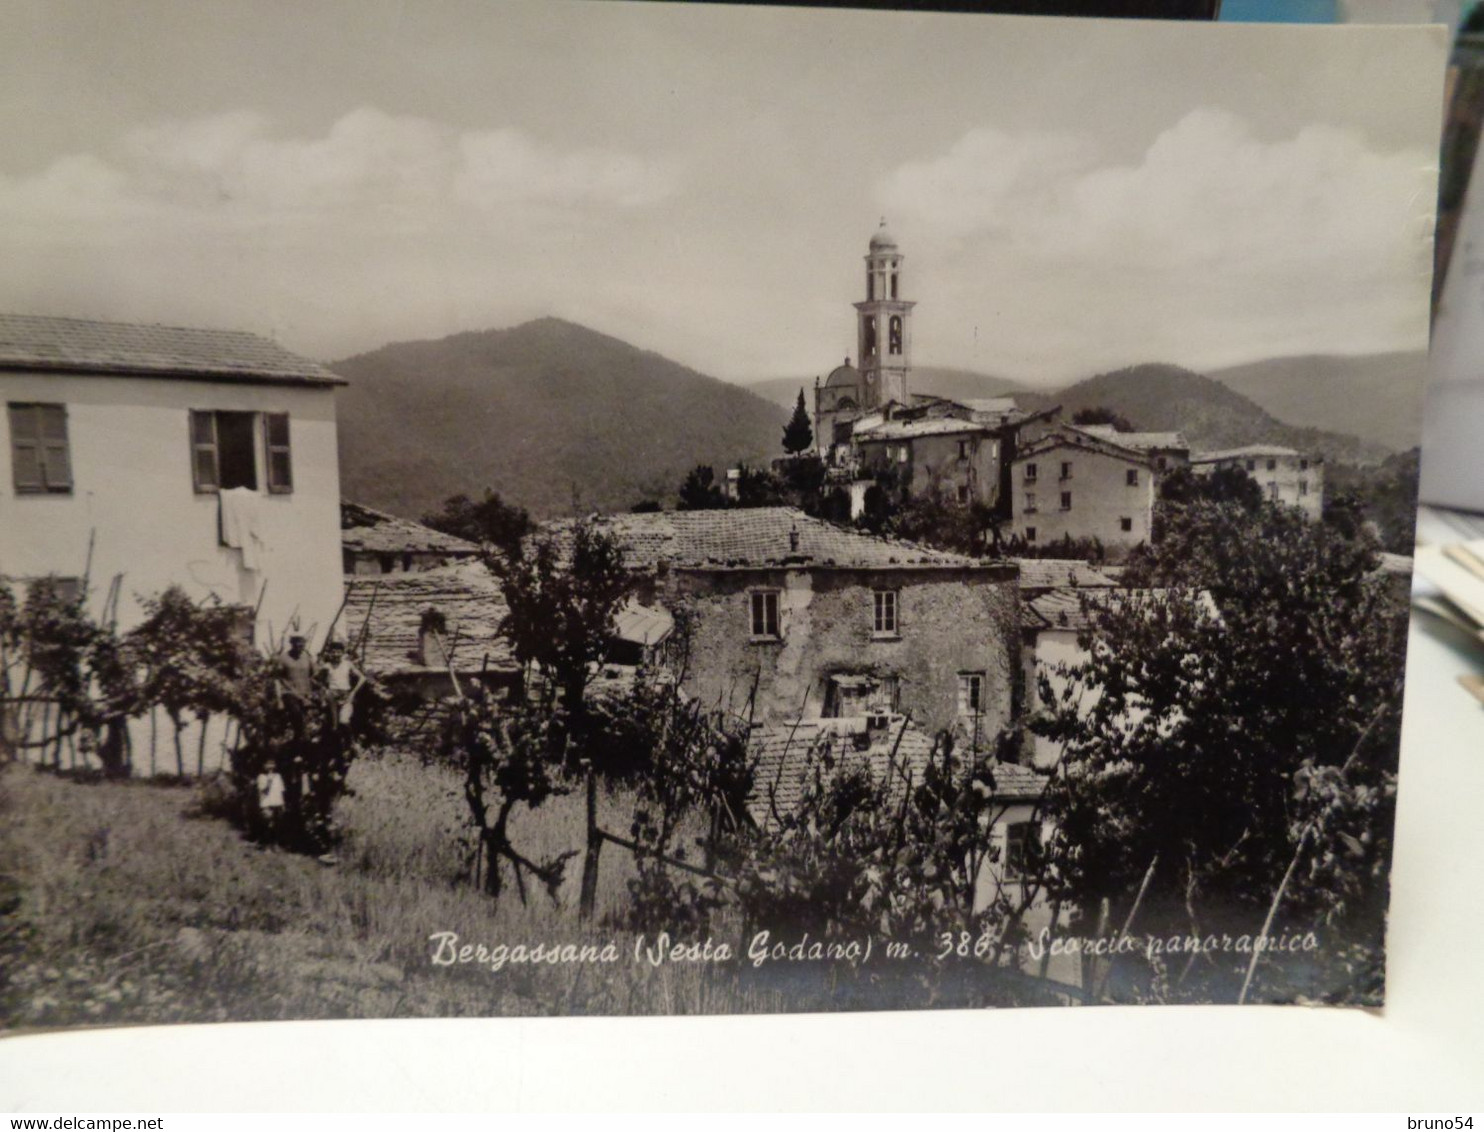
(545, 413)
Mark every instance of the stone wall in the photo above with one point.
(951, 621)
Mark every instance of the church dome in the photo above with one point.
(845, 374)
(883, 240)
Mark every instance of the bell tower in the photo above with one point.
(883, 339)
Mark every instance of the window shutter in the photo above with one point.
(280, 461)
(25, 448)
(204, 451)
(56, 465)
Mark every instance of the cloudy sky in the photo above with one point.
(1071, 196)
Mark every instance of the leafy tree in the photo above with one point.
(562, 597)
(1224, 485)
(798, 434)
(1256, 657)
(1098, 415)
(491, 521)
(932, 519)
(758, 488)
(699, 490)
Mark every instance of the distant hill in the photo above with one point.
(1210, 414)
(1377, 397)
(945, 382)
(537, 412)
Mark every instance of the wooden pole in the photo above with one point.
(589, 897)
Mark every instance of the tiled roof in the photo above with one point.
(375, 532)
(1065, 436)
(1054, 573)
(1073, 609)
(467, 595)
(906, 430)
(1140, 440)
(77, 345)
(786, 759)
(1250, 451)
(642, 624)
(752, 537)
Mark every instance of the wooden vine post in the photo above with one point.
(588, 899)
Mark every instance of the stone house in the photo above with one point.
(373, 542)
(791, 618)
(420, 631)
(1071, 482)
(1286, 476)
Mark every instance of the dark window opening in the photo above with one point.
(1066, 501)
(1030, 534)
(893, 284)
(895, 343)
(1126, 524)
(870, 286)
(765, 615)
(868, 346)
(222, 451)
(1133, 477)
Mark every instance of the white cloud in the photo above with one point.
(1214, 244)
(368, 164)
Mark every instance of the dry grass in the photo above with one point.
(121, 906)
(121, 903)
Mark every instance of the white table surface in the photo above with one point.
(1423, 1053)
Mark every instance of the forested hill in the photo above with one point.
(1211, 415)
(547, 413)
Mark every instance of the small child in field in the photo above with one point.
(270, 799)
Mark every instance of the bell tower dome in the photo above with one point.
(883, 325)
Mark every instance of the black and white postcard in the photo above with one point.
(601, 508)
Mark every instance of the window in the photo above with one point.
(870, 286)
(1303, 465)
(1125, 524)
(971, 693)
(224, 451)
(280, 466)
(1066, 501)
(1131, 477)
(963, 494)
(1066, 469)
(1273, 492)
(1272, 465)
(963, 449)
(1030, 473)
(1303, 487)
(39, 458)
(884, 621)
(1021, 841)
(1161, 463)
(1252, 465)
(1030, 534)
(904, 453)
(893, 284)
(765, 615)
(868, 337)
(1030, 501)
(894, 334)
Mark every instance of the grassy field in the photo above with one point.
(123, 902)
(126, 902)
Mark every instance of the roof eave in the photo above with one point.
(93, 369)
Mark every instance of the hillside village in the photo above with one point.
(146, 458)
